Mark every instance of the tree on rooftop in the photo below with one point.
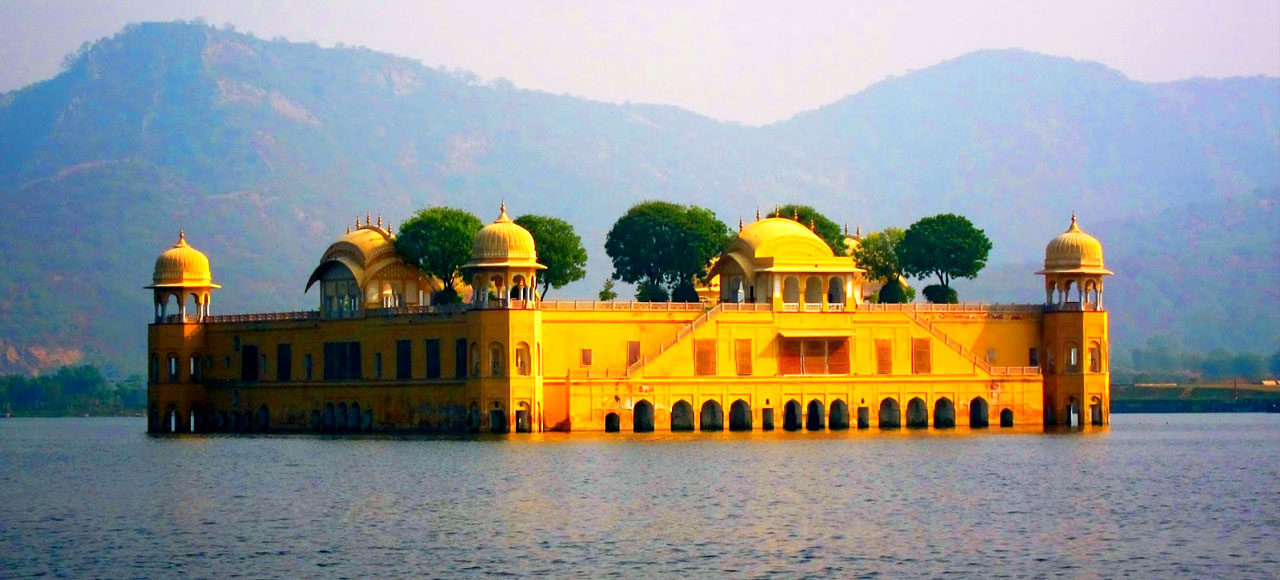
(661, 246)
(438, 241)
(559, 249)
(946, 246)
(878, 255)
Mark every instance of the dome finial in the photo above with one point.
(795, 214)
(757, 213)
(1075, 225)
(182, 239)
(502, 213)
(858, 233)
(367, 218)
(739, 223)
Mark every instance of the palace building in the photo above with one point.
(784, 338)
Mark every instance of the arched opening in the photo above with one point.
(642, 417)
(813, 290)
(518, 288)
(890, 414)
(263, 422)
(523, 365)
(740, 416)
(791, 290)
(944, 414)
(356, 418)
(342, 417)
(366, 422)
(171, 420)
(1051, 293)
(497, 419)
(224, 421)
(1072, 354)
(317, 422)
(1073, 412)
(195, 419)
(1095, 411)
(791, 416)
(473, 417)
(475, 359)
(731, 291)
(247, 421)
(682, 416)
(978, 412)
(712, 416)
(1006, 418)
(839, 414)
(339, 292)
(330, 417)
(497, 287)
(917, 414)
(1095, 357)
(191, 308)
(524, 418)
(612, 424)
(496, 362)
(835, 290)
(815, 419)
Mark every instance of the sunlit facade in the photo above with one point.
(784, 339)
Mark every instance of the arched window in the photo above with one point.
(154, 368)
(496, 364)
(1072, 354)
(194, 370)
(1095, 357)
(835, 290)
(813, 290)
(523, 364)
(791, 290)
(173, 367)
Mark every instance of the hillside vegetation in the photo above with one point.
(264, 150)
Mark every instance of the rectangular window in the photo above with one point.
(433, 358)
(1073, 359)
(813, 358)
(789, 357)
(404, 360)
(1033, 358)
(173, 368)
(284, 362)
(704, 355)
(633, 352)
(155, 368)
(838, 357)
(460, 358)
(884, 356)
(1049, 362)
(586, 357)
(1095, 359)
(377, 365)
(342, 361)
(742, 356)
(991, 355)
(195, 368)
(249, 363)
(307, 365)
(921, 356)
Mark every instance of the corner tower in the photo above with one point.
(508, 336)
(175, 396)
(1077, 379)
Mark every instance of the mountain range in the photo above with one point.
(265, 150)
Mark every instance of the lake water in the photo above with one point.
(1192, 496)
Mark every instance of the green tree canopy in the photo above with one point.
(946, 246)
(438, 241)
(559, 249)
(607, 293)
(829, 231)
(878, 255)
(662, 245)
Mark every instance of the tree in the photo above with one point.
(829, 231)
(663, 245)
(559, 249)
(878, 255)
(946, 246)
(438, 241)
(607, 293)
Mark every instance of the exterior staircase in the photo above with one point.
(684, 331)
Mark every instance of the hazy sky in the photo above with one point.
(749, 61)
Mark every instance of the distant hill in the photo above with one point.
(264, 150)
